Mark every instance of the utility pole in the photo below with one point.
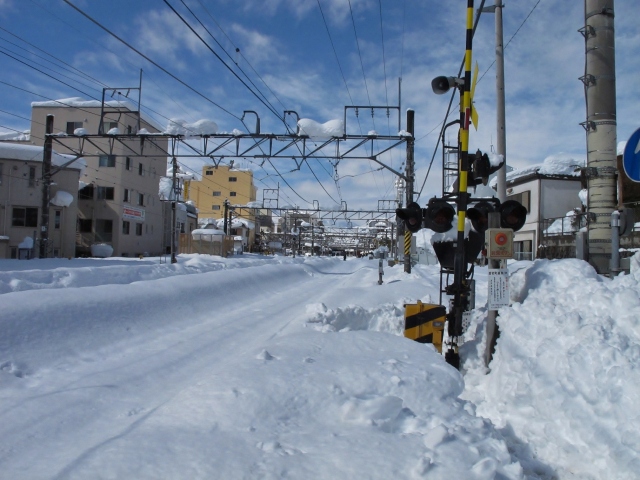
(174, 164)
(226, 211)
(494, 218)
(409, 185)
(600, 92)
(501, 148)
(500, 113)
(46, 187)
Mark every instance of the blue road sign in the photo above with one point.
(631, 157)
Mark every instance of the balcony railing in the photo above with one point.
(567, 225)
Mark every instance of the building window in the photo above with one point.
(104, 230)
(109, 125)
(208, 172)
(107, 161)
(141, 169)
(32, 176)
(71, 127)
(84, 225)
(139, 229)
(217, 194)
(215, 207)
(233, 179)
(141, 199)
(57, 219)
(232, 194)
(25, 217)
(126, 197)
(127, 163)
(105, 193)
(125, 227)
(86, 193)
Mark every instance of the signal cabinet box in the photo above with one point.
(499, 242)
(424, 323)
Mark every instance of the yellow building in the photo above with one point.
(219, 184)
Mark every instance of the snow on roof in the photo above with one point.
(34, 153)
(23, 136)
(79, 102)
(242, 223)
(207, 231)
(558, 165)
(315, 130)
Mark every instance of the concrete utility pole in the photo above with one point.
(46, 187)
(174, 165)
(409, 185)
(600, 92)
(500, 108)
(501, 148)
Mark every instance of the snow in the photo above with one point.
(23, 136)
(273, 367)
(26, 243)
(321, 131)
(566, 225)
(178, 126)
(34, 154)
(62, 199)
(207, 234)
(495, 159)
(584, 196)
(561, 164)
(79, 102)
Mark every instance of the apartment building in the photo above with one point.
(21, 202)
(548, 191)
(118, 202)
(219, 184)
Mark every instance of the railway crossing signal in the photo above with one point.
(412, 216)
(438, 215)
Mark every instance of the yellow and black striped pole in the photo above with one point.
(407, 244)
(460, 264)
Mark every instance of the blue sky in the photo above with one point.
(287, 54)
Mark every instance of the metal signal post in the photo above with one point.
(460, 285)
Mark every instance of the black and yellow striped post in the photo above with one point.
(407, 249)
(424, 323)
(460, 287)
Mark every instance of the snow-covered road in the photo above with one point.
(221, 370)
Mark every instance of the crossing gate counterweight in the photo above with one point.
(424, 323)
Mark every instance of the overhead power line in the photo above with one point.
(182, 82)
(202, 40)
